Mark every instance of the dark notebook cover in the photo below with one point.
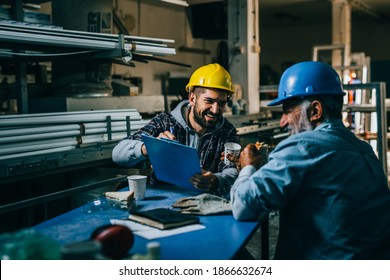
(162, 218)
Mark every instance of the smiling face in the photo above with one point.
(208, 106)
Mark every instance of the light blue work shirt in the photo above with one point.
(331, 192)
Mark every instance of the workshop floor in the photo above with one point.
(254, 245)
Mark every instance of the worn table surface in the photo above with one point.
(221, 239)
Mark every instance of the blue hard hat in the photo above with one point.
(306, 79)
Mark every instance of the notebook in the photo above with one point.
(162, 218)
(172, 162)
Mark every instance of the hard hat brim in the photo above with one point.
(281, 100)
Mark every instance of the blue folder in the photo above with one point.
(172, 162)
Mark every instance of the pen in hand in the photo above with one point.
(168, 134)
(172, 131)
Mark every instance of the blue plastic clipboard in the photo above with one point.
(172, 162)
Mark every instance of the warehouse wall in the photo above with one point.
(282, 45)
(279, 45)
(169, 22)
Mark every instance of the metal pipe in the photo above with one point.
(50, 40)
(93, 112)
(36, 130)
(29, 137)
(59, 133)
(102, 137)
(71, 114)
(32, 134)
(113, 129)
(66, 119)
(67, 32)
(37, 145)
(14, 131)
(40, 152)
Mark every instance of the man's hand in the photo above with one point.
(253, 154)
(166, 134)
(250, 156)
(144, 151)
(205, 181)
(230, 157)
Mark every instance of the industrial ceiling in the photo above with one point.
(278, 13)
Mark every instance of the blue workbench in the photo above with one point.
(222, 238)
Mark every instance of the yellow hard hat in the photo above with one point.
(211, 76)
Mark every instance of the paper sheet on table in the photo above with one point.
(152, 233)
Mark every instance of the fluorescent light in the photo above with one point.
(177, 2)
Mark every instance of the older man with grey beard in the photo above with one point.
(329, 186)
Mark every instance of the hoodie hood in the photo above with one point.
(180, 112)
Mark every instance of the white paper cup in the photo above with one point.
(231, 149)
(137, 183)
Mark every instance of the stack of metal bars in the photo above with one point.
(28, 35)
(36, 134)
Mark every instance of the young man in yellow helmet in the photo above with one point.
(197, 122)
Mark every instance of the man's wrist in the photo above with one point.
(214, 185)
(142, 151)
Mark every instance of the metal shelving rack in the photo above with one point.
(377, 96)
(26, 42)
(39, 43)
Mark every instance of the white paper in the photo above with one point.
(151, 232)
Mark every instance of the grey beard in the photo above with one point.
(302, 123)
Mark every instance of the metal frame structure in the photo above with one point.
(340, 47)
(378, 105)
(36, 144)
(27, 35)
(22, 43)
